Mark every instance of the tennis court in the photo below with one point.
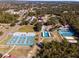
(45, 34)
(21, 40)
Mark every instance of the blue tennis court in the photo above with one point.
(22, 40)
(45, 34)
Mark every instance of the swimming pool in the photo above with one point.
(66, 32)
(21, 40)
(69, 33)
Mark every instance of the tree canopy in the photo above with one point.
(7, 18)
(58, 50)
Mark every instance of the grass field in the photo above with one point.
(21, 52)
(4, 41)
(4, 50)
(26, 28)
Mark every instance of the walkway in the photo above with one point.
(9, 51)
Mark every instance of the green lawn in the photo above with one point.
(1, 33)
(4, 50)
(4, 41)
(26, 28)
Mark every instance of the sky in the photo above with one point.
(48, 0)
(39, 0)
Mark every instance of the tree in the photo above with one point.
(12, 24)
(1, 33)
(58, 50)
(37, 27)
(1, 55)
(7, 18)
(31, 14)
(53, 21)
(24, 22)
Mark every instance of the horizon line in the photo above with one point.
(45, 0)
